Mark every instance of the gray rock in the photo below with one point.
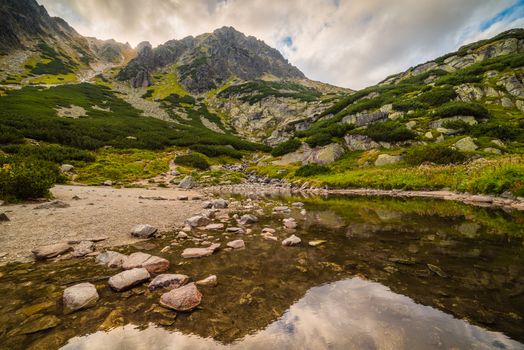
(3, 217)
(83, 248)
(111, 259)
(168, 280)
(360, 143)
(492, 150)
(362, 119)
(197, 220)
(210, 281)
(440, 122)
(236, 244)
(53, 204)
(66, 168)
(181, 235)
(185, 298)
(384, 159)
(289, 223)
(247, 219)
(143, 231)
(80, 296)
(187, 182)
(466, 144)
(207, 205)
(220, 204)
(291, 241)
(215, 227)
(51, 251)
(189, 253)
(128, 279)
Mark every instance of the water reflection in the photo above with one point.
(348, 314)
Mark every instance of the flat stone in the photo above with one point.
(152, 264)
(291, 241)
(185, 298)
(111, 259)
(215, 227)
(200, 252)
(317, 242)
(297, 204)
(83, 248)
(210, 281)
(236, 230)
(143, 231)
(236, 244)
(80, 296)
(51, 251)
(128, 279)
(135, 260)
(168, 280)
(53, 204)
(268, 230)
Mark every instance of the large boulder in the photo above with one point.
(466, 144)
(128, 279)
(384, 159)
(51, 251)
(187, 182)
(111, 259)
(360, 143)
(168, 280)
(185, 298)
(327, 154)
(143, 231)
(79, 296)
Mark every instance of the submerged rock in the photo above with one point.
(208, 281)
(317, 242)
(291, 241)
(168, 280)
(200, 252)
(111, 259)
(152, 264)
(129, 278)
(143, 231)
(39, 324)
(236, 244)
(185, 298)
(51, 251)
(80, 296)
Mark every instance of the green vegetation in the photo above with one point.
(255, 91)
(54, 63)
(286, 147)
(193, 161)
(217, 151)
(389, 131)
(437, 154)
(311, 170)
(452, 109)
(53, 153)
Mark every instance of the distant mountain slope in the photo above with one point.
(207, 61)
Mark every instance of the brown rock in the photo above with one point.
(50, 251)
(185, 298)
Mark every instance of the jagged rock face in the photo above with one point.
(108, 50)
(207, 61)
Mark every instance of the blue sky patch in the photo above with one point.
(287, 41)
(510, 13)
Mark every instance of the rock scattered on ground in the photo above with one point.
(53, 204)
(317, 242)
(200, 252)
(185, 298)
(289, 223)
(181, 235)
(168, 280)
(197, 220)
(236, 244)
(152, 264)
(235, 230)
(187, 183)
(208, 281)
(143, 231)
(80, 296)
(51, 251)
(111, 259)
(128, 279)
(215, 227)
(247, 219)
(66, 168)
(83, 248)
(291, 241)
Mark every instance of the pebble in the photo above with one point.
(208, 281)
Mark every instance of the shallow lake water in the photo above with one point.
(393, 274)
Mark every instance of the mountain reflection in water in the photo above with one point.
(349, 314)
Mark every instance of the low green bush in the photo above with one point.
(319, 139)
(389, 131)
(499, 130)
(437, 96)
(408, 105)
(437, 154)
(452, 109)
(311, 170)
(192, 160)
(216, 151)
(52, 153)
(457, 125)
(26, 178)
(286, 147)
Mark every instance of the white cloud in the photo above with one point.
(350, 43)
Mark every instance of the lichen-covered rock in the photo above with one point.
(384, 159)
(80, 296)
(185, 298)
(360, 143)
(466, 144)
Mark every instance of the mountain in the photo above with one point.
(207, 61)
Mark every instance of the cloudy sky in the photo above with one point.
(351, 43)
